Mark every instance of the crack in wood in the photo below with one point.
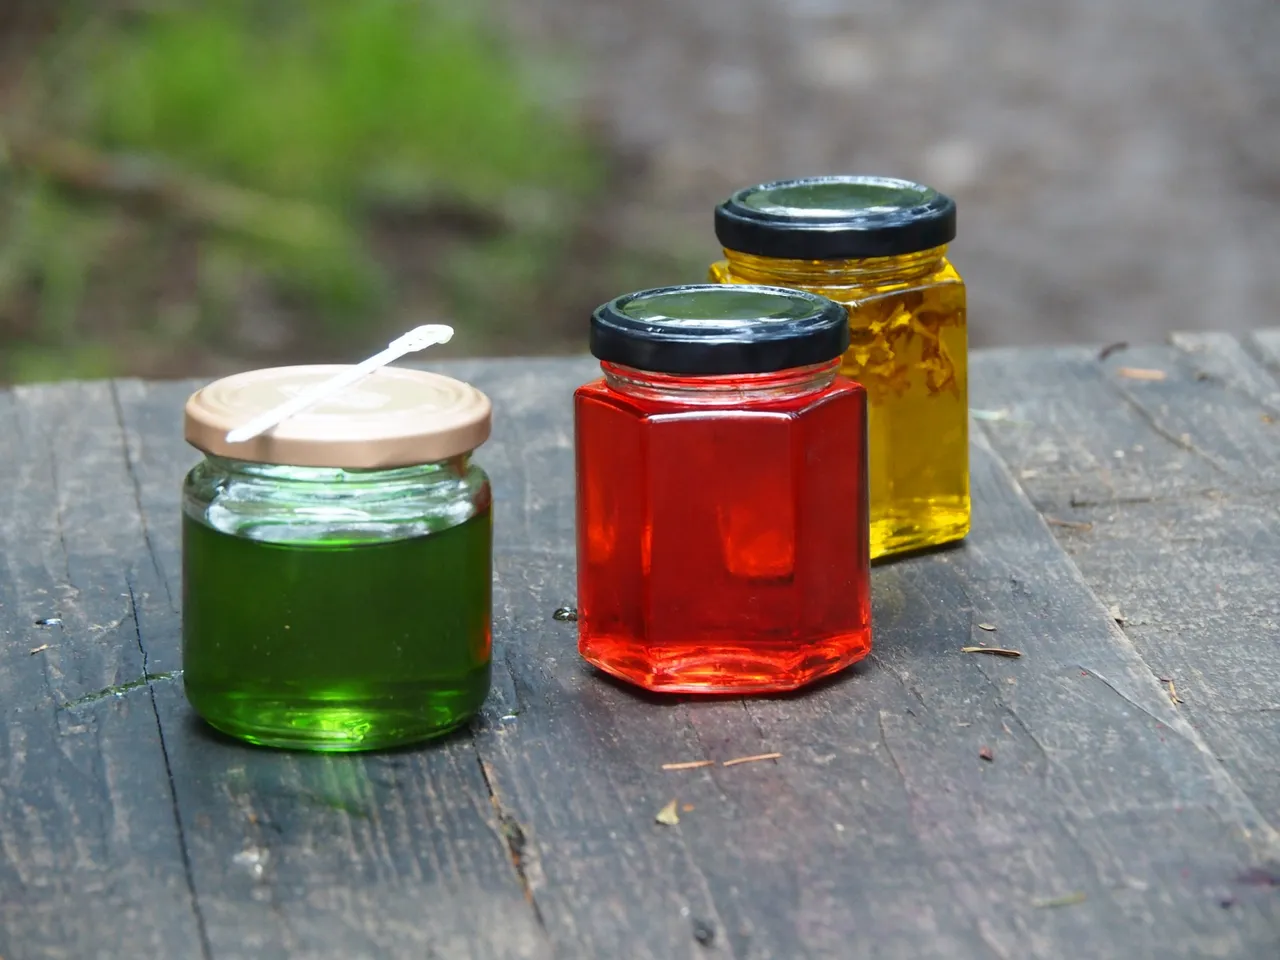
(908, 688)
(136, 482)
(520, 849)
(1044, 752)
(1181, 496)
(884, 740)
(962, 841)
(148, 679)
(206, 948)
(1181, 728)
(1182, 441)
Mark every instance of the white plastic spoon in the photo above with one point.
(419, 338)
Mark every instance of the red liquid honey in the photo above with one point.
(722, 528)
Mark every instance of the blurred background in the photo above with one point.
(189, 188)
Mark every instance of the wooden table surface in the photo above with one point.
(1126, 540)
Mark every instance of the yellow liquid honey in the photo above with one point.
(908, 348)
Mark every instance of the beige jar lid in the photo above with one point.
(394, 417)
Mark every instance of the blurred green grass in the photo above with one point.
(343, 162)
(343, 102)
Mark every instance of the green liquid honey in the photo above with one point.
(337, 644)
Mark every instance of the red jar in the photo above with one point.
(722, 492)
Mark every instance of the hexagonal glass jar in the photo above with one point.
(878, 246)
(722, 529)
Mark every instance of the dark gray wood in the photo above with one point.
(1078, 432)
(1265, 345)
(389, 855)
(880, 831)
(1191, 569)
(91, 855)
(1098, 784)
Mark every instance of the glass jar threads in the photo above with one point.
(337, 569)
(721, 492)
(878, 246)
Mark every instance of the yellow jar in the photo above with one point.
(878, 246)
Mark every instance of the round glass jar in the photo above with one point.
(878, 247)
(721, 492)
(337, 572)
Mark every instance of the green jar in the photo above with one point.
(337, 569)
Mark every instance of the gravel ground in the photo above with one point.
(1116, 164)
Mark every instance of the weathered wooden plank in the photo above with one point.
(1080, 431)
(572, 771)
(880, 829)
(594, 891)
(1239, 366)
(1195, 581)
(1050, 405)
(1265, 346)
(91, 858)
(397, 854)
(1192, 572)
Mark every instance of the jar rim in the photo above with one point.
(324, 472)
(835, 217)
(394, 417)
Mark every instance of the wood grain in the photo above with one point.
(1109, 821)
(287, 855)
(1190, 568)
(91, 855)
(880, 829)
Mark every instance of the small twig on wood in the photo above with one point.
(1068, 524)
(1173, 694)
(688, 765)
(34, 650)
(1141, 373)
(1111, 348)
(997, 651)
(1260, 877)
(751, 759)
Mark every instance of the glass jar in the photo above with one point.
(337, 569)
(721, 492)
(877, 246)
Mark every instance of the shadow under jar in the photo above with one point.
(721, 492)
(878, 246)
(337, 569)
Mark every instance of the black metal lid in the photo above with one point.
(831, 218)
(711, 328)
